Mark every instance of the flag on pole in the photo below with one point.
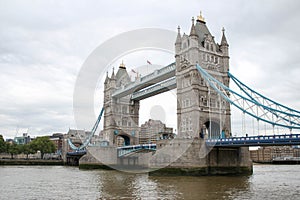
(133, 71)
(149, 62)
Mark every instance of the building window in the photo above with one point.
(190, 123)
(216, 60)
(212, 103)
(124, 109)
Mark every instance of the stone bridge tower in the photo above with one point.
(200, 111)
(121, 116)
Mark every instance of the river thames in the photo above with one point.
(60, 182)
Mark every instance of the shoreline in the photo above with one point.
(30, 162)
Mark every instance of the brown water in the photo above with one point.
(58, 182)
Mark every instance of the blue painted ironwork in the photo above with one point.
(155, 89)
(145, 81)
(88, 139)
(123, 151)
(267, 140)
(278, 110)
(77, 153)
(250, 105)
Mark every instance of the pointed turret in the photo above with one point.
(106, 79)
(224, 48)
(122, 77)
(178, 42)
(178, 38)
(193, 33)
(113, 74)
(224, 40)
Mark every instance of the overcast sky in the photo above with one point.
(43, 45)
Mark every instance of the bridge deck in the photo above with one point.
(269, 140)
(146, 81)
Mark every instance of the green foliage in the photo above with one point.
(43, 144)
(2, 145)
(27, 149)
(14, 149)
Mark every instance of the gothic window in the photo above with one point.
(124, 122)
(202, 81)
(212, 103)
(183, 125)
(190, 123)
(207, 46)
(216, 60)
(124, 109)
(129, 123)
(211, 47)
(203, 56)
(201, 100)
(211, 58)
(205, 102)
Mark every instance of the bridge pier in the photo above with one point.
(198, 160)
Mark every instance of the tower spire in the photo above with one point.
(224, 40)
(178, 38)
(107, 78)
(200, 18)
(122, 65)
(113, 74)
(193, 29)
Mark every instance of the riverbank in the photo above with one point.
(30, 162)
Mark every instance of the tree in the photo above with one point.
(43, 144)
(13, 149)
(27, 149)
(2, 144)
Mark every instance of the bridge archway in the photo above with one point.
(123, 140)
(213, 129)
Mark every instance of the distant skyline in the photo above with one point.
(43, 45)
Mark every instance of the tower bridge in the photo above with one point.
(201, 77)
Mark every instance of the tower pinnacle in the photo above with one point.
(224, 40)
(122, 65)
(193, 29)
(200, 18)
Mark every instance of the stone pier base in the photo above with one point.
(185, 157)
(193, 158)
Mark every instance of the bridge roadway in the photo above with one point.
(146, 81)
(269, 140)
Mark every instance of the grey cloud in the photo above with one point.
(43, 45)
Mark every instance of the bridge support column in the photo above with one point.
(198, 160)
(99, 158)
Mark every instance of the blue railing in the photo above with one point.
(122, 151)
(77, 153)
(268, 140)
(152, 78)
